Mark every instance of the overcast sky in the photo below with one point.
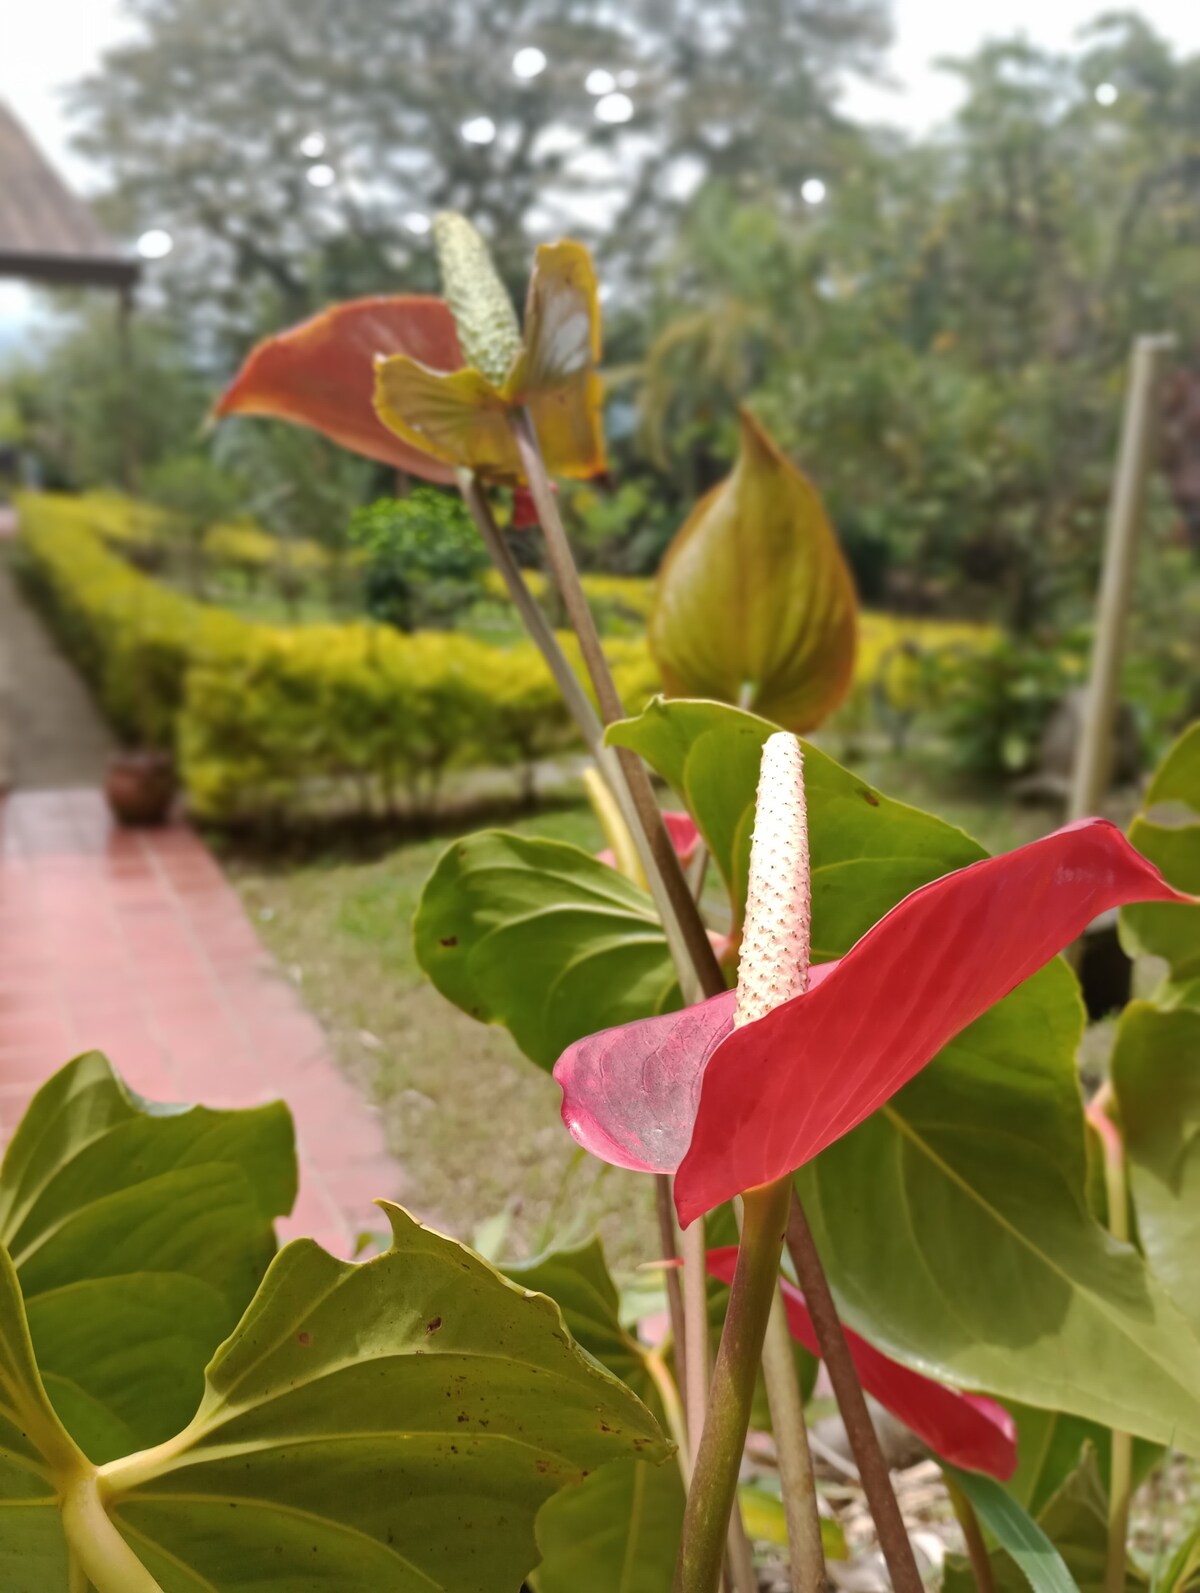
(49, 43)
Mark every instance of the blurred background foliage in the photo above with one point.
(935, 327)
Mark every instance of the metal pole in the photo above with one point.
(1093, 757)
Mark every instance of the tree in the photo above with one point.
(85, 415)
(205, 119)
(943, 342)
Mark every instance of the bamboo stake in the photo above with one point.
(1093, 759)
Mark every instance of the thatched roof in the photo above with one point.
(46, 233)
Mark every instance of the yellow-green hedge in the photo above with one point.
(130, 526)
(272, 719)
(632, 595)
(134, 638)
(268, 719)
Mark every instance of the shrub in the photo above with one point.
(423, 559)
(134, 639)
(279, 720)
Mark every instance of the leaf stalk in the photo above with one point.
(719, 1456)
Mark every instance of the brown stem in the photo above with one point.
(701, 960)
(860, 1430)
(981, 1560)
(679, 908)
(579, 704)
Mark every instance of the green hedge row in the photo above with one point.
(277, 721)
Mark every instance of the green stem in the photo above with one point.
(695, 1314)
(98, 1551)
(616, 831)
(718, 1460)
(981, 1560)
(806, 1553)
(798, 1484)
(1120, 1480)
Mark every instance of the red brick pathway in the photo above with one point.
(132, 942)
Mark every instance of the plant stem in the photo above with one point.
(805, 1552)
(579, 704)
(664, 1205)
(676, 904)
(695, 1313)
(739, 1558)
(99, 1550)
(698, 968)
(798, 1485)
(672, 1410)
(1120, 1480)
(699, 973)
(715, 1477)
(1120, 1487)
(981, 1561)
(860, 1430)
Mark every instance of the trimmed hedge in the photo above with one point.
(274, 720)
(269, 720)
(134, 639)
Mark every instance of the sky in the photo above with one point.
(46, 44)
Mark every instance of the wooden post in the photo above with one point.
(1094, 754)
(129, 458)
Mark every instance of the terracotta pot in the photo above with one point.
(140, 786)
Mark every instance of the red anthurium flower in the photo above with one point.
(524, 510)
(965, 1429)
(727, 1109)
(322, 374)
(685, 837)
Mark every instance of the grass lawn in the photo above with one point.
(475, 1125)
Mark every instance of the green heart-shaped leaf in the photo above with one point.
(395, 1424)
(620, 1530)
(35, 1449)
(1156, 1075)
(580, 1284)
(619, 1533)
(868, 851)
(754, 599)
(543, 938)
(971, 1180)
(386, 1427)
(1171, 930)
(139, 1232)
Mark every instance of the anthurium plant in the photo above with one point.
(856, 1095)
